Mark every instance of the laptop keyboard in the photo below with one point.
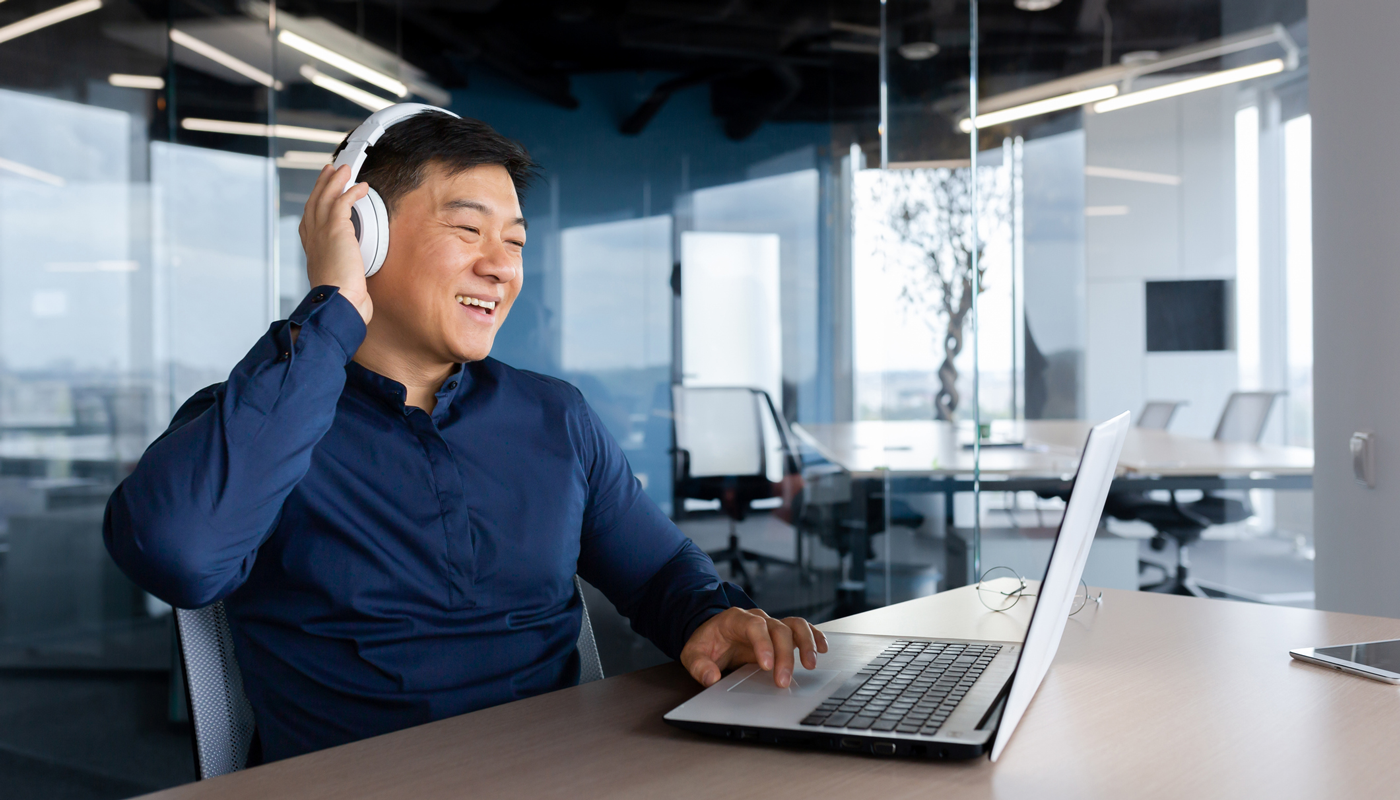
(911, 687)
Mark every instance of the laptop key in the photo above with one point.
(813, 719)
(884, 725)
(837, 720)
(861, 723)
(848, 688)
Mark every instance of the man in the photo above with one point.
(392, 519)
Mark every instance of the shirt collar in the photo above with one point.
(393, 393)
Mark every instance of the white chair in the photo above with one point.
(732, 445)
(219, 711)
(1157, 414)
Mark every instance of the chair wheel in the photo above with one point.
(1159, 543)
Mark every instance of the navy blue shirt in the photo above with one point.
(382, 566)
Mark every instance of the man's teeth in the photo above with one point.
(489, 305)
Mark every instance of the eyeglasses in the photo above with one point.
(997, 594)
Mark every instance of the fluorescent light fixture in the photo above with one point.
(1133, 175)
(304, 159)
(340, 62)
(29, 172)
(136, 81)
(1105, 211)
(355, 95)
(46, 18)
(1178, 88)
(218, 56)
(1049, 104)
(259, 129)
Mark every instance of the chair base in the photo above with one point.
(735, 555)
(1181, 583)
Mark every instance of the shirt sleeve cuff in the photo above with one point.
(325, 311)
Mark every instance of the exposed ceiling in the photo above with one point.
(771, 60)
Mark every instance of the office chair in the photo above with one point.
(1157, 414)
(722, 453)
(219, 710)
(1243, 420)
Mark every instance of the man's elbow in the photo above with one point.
(162, 557)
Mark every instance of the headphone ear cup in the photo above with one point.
(371, 221)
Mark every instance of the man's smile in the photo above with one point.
(479, 307)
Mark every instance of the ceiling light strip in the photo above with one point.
(358, 96)
(136, 81)
(259, 129)
(1178, 88)
(218, 56)
(46, 18)
(343, 63)
(1133, 175)
(1046, 106)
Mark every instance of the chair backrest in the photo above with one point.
(720, 430)
(1244, 416)
(219, 710)
(1157, 414)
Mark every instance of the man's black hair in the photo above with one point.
(396, 164)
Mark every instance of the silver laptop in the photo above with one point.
(910, 696)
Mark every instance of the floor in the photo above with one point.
(86, 734)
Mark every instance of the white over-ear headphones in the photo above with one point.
(370, 218)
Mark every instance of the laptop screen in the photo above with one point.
(1067, 558)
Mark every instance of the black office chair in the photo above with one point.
(1243, 420)
(1156, 415)
(726, 440)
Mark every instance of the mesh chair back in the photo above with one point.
(590, 665)
(1157, 414)
(721, 430)
(219, 711)
(1244, 416)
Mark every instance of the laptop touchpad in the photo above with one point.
(804, 682)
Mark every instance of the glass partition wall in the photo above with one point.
(1131, 184)
(1155, 165)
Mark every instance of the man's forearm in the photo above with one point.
(185, 525)
(684, 593)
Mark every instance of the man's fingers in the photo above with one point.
(755, 632)
(821, 640)
(341, 208)
(803, 636)
(704, 671)
(330, 187)
(782, 645)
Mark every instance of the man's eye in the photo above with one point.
(469, 229)
(517, 243)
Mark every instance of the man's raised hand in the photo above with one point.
(736, 636)
(328, 237)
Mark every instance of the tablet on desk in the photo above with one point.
(1377, 660)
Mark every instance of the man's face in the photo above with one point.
(453, 268)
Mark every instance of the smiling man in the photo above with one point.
(392, 518)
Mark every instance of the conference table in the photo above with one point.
(1150, 696)
(930, 456)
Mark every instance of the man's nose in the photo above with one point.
(496, 262)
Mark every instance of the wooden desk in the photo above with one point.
(1151, 696)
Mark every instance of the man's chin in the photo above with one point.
(475, 351)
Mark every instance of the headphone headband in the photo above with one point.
(367, 134)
